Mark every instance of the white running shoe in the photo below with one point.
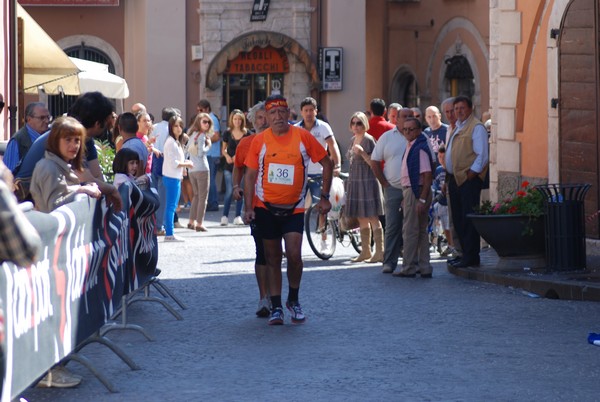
(224, 221)
(238, 221)
(298, 316)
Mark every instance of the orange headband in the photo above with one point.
(275, 103)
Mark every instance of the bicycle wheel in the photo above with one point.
(320, 233)
(354, 235)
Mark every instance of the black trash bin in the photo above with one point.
(565, 226)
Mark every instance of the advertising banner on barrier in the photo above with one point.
(90, 258)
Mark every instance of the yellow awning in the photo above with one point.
(45, 64)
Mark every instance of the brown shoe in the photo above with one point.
(387, 269)
(201, 228)
(59, 377)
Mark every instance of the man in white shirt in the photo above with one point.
(323, 133)
(390, 149)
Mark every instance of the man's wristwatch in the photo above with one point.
(326, 196)
(422, 201)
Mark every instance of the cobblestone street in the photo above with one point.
(368, 336)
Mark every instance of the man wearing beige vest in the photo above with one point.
(466, 166)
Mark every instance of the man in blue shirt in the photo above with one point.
(128, 127)
(37, 119)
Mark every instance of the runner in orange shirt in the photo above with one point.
(276, 172)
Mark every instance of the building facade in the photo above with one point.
(545, 95)
(236, 52)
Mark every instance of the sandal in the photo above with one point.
(201, 229)
(190, 226)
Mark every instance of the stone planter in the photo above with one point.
(505, 234)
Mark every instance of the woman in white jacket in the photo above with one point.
(173, 165)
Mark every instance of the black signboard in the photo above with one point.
(331, 68)
(260, 10)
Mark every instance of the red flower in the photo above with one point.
(524, 184)
(512, 210)
(521, 193)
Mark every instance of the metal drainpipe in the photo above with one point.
(13, 67)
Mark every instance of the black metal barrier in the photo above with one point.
(91, 257)
(565, 226)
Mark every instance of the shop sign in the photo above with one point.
(69, 2)
(266, 60)
(331, 68)
(260, 10)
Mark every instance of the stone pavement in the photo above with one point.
(368, 336)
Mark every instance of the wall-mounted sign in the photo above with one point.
(259, 60)
(260, 10)
(69, 2)
(331, 68)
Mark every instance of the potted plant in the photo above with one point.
(514, 226)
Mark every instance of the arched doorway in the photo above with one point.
(405, 89)
(253, 76)
(579, 102)
(458, 78)
(301, 80)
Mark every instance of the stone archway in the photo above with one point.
(405, 88)
(247, 42)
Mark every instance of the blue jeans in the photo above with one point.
(157, 181)
(393, 226)
(213, 197)
(173, 190)
(229, 195)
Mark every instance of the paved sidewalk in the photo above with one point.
(568, 285)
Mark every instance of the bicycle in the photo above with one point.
(323, 232)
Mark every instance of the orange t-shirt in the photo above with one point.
(242, 150)
(282, 165)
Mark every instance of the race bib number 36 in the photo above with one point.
(281, 174)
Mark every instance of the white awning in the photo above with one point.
(95, 77)
(46, 66)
